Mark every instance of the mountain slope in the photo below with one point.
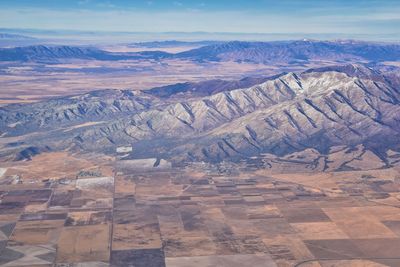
(292, 113)
(354, 112)
(294, 51)
(55, 113)
(316, 109)
(42, 53)
(106, 104)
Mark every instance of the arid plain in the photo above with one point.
(62, 209)
(33, 81)
(298, 165)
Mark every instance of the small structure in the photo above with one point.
(124, 149)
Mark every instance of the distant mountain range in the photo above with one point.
(53, 54)
(172, 43)
(289, 51)
(255, 52)
(10, 36)
(50, 53)
(336, 108)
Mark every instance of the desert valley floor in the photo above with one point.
(223, 154)
(62, 209)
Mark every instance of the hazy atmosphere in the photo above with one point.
(200, 133)
(366, 19)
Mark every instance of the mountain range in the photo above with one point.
(10, 36)
(325, 109)
(289, 51)
(55, 54)
(172, 43)
(255, 52)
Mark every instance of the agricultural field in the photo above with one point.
(102, 213)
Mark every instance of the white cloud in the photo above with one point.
(106, 4)
(176, 3)
(83, 2)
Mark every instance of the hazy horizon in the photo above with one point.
(98, 36)
(360, 19)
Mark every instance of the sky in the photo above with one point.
(350, 17)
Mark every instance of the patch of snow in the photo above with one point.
(2, 171)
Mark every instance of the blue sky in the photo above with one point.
(243, 16)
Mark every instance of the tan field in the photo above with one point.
(84, 243)
(175, 217)
(55, 165)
